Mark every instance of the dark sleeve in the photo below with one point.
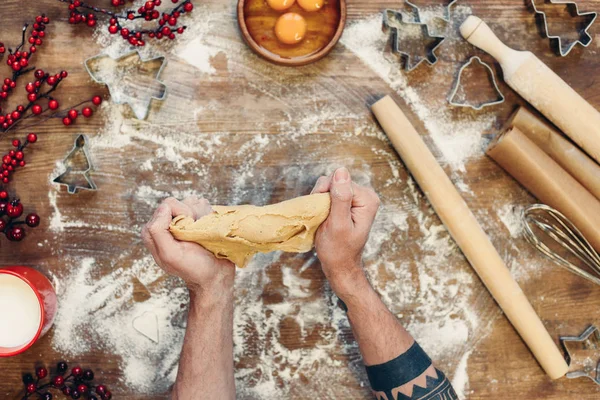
(386, 379)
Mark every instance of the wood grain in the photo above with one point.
(500, 365)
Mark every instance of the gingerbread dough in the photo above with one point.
(238, 232)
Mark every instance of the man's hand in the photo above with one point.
(198, 267)
(342, 237)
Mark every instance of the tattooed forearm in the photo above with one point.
(410, 376)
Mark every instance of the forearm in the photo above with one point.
(206, 364)
(397, 367)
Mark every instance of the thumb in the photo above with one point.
(341, 197)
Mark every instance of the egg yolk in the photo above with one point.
(311, 5)
(280, 5)
(290, 28)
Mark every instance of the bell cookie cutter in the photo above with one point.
(77, 176)
(139, 104)
(584, 37)
(458, 84)
(391, 20)
(590, 339)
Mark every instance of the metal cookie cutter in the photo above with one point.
(584, 37)
(79, 166)
(127, 82)
(445, 16)
(590, 341)
(392, 20)
(458, 84)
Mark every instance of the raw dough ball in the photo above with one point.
(280, 5)
(290, 28)
(238, 232)
(311, 5)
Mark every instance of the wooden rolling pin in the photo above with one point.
(468, 234)
(541, 87)
(566, 154)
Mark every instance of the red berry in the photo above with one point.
(16, 143)
(21, 163)
(19, 155)
(107, 395)
(97, 100)
(77, 371)
(3, 208)
(32, 97)
(20, 108)
(39, 74)
(73, 114)
(64, 74)
(32, 387)
(87, 112)
(188, 7)
(67, 121)
(14, 209)
(100, 389)
(33, 220)
(36, 109)
(2, 225)
(41, 372)
(91, 23)
(113, 29)
(82, 388)
(51, 80)
(30, 87)
(53, 104)
(3, 195)
(32, 138)
(67, 390)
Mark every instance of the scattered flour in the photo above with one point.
(512, 218)
(289, 333)
(460, 380)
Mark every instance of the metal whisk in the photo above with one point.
(562, 231)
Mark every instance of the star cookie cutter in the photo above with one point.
(458, 85)
(446, 14)
(128, 85)
(79, 166)
(391, 21)
(584, 37)
(590, 338)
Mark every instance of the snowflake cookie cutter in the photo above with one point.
(391, 20)
(590, 339)
(78, 165)
(140, 104)
(584, 36)
(458, 84)
(446, 15)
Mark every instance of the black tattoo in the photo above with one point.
(438, 388)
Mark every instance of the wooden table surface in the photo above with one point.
(239, 131)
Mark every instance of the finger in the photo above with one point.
(178, 208)
(159, 226)
(323, 185)
(200, 207)
(365, 204)
(341, 198)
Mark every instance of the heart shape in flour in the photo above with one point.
(147, 325)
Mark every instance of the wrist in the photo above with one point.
(218, 291)
(350, 283)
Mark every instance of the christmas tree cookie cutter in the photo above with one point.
(584, 36)
(78, 168)
(589, 340)
(392, 21)
(452, 97)
(130, 79)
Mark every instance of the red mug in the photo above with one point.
(27, 308)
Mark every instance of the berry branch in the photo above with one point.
(166, 26)
(78, 384)
(41, 88)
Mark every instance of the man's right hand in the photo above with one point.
(342, 237)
